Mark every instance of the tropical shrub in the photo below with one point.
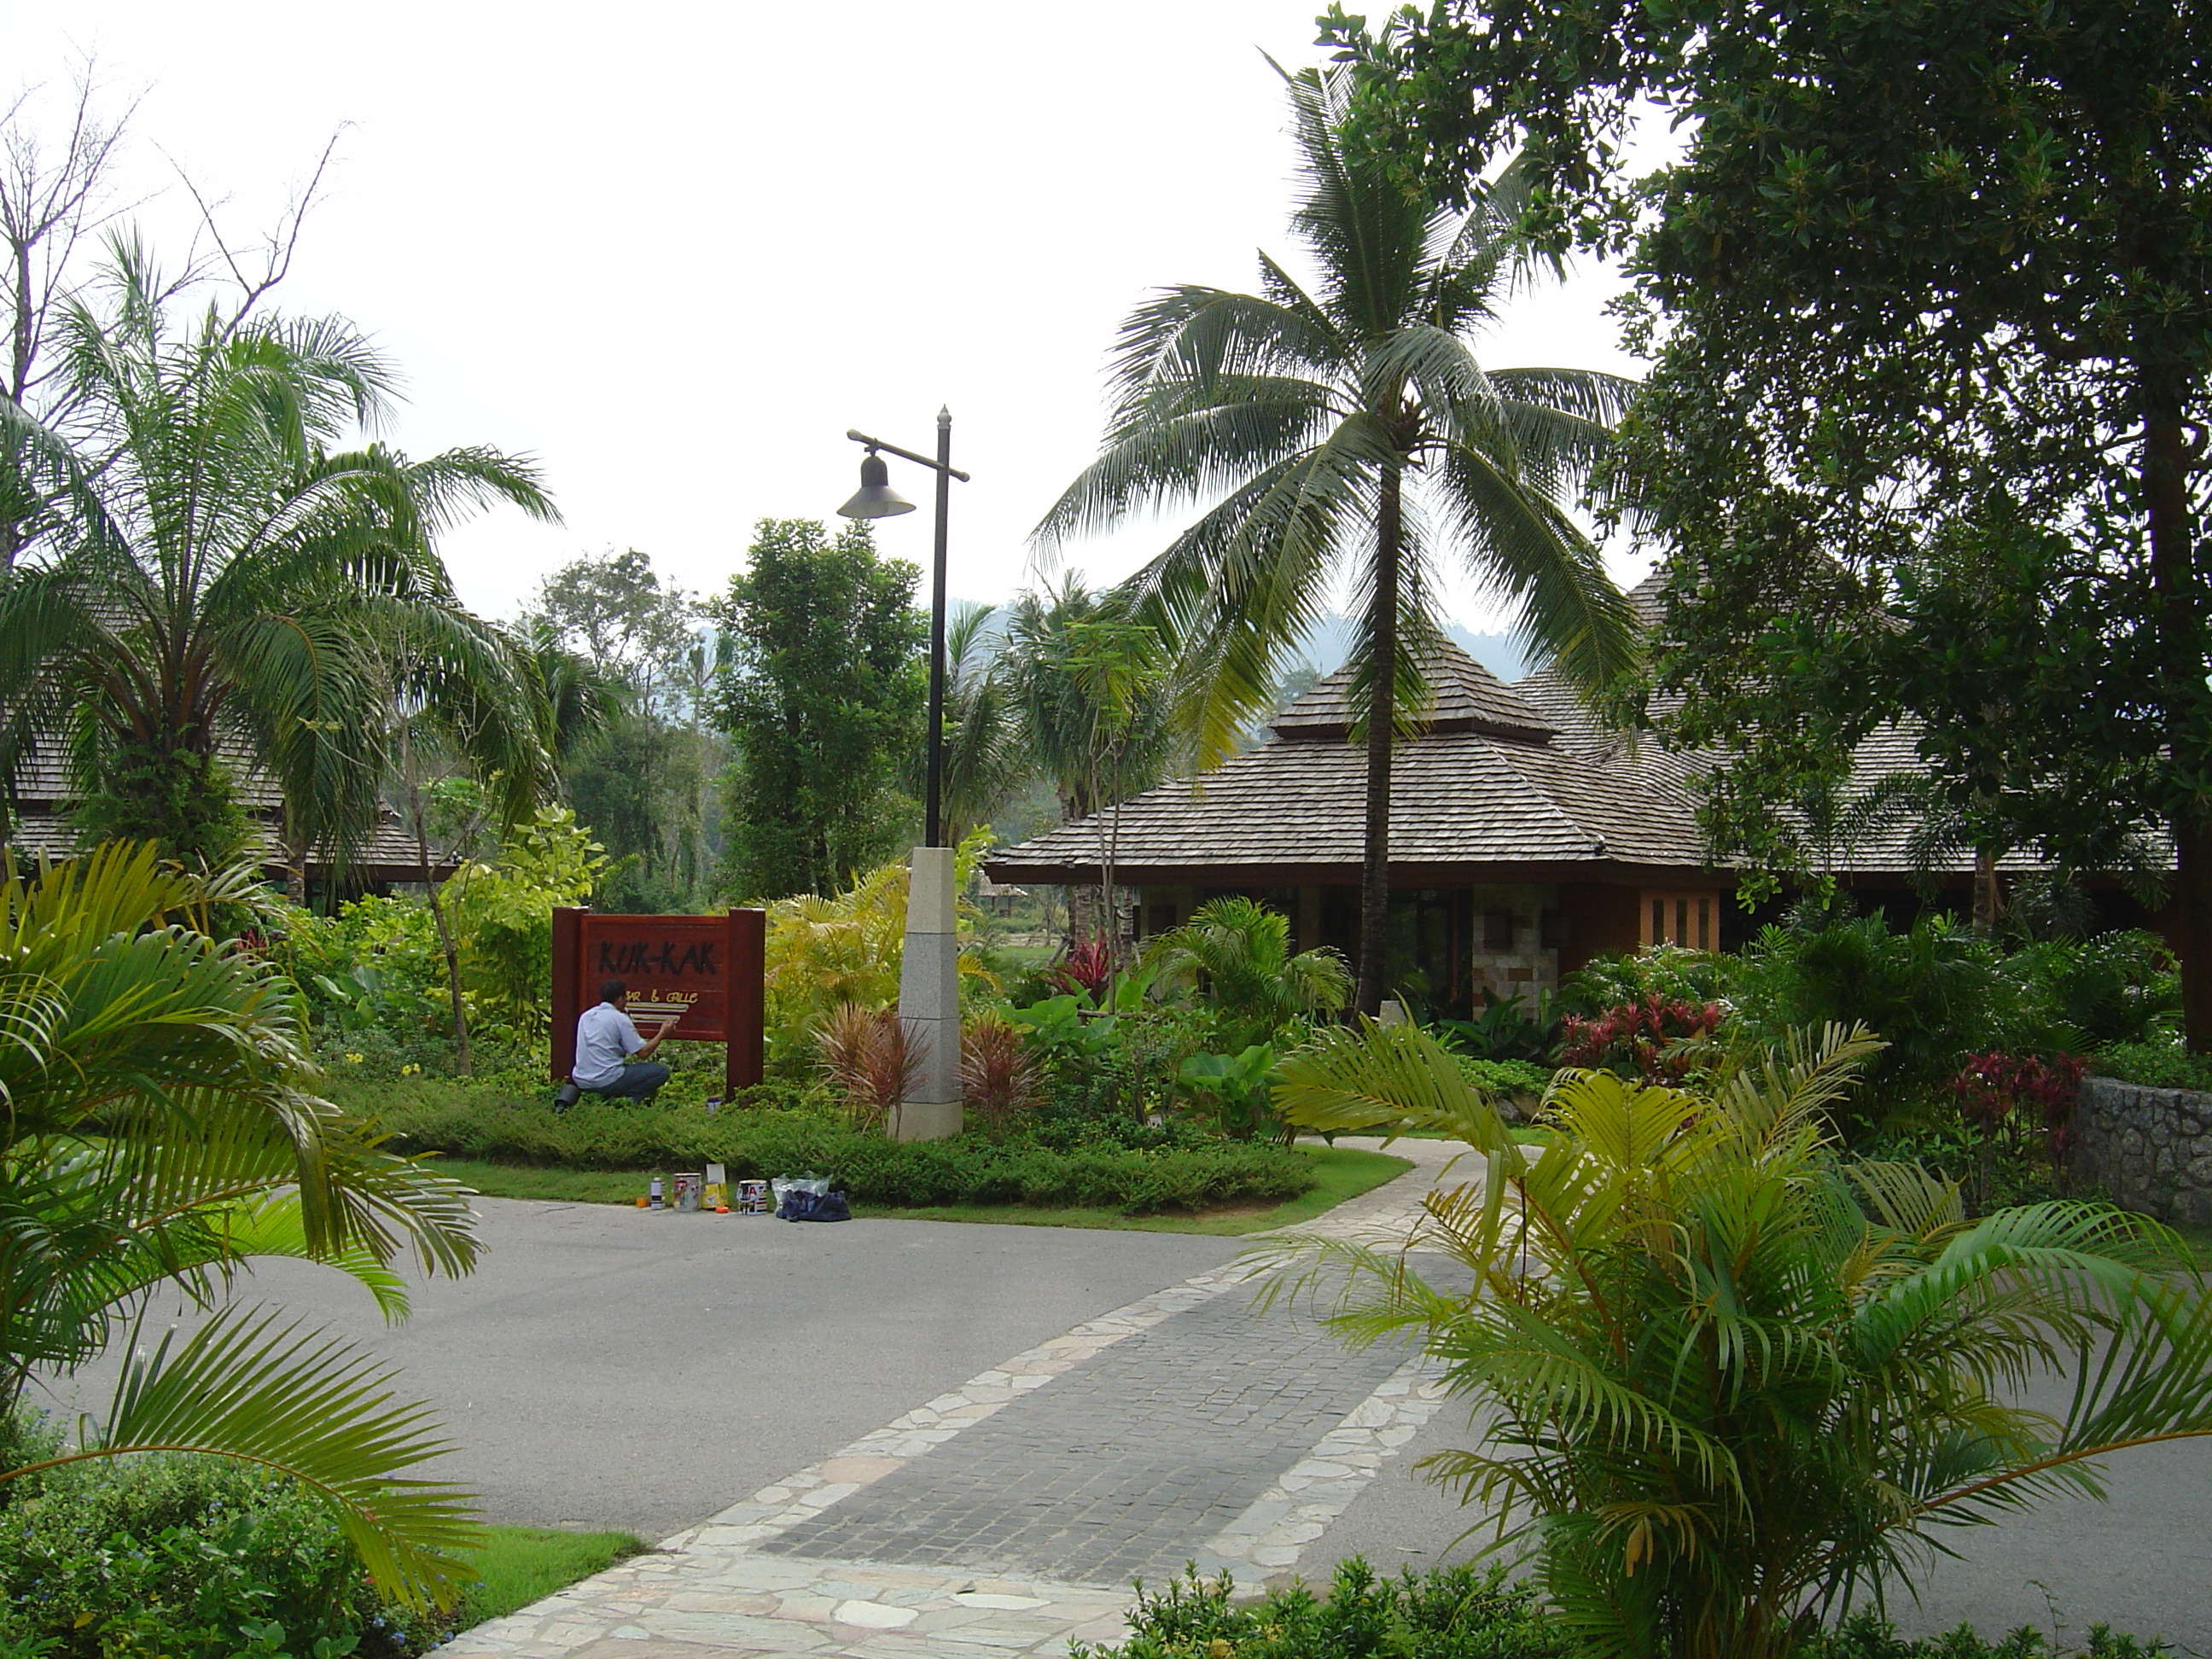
(868, 1059)
(1454, 1612)
(1936, 992)
(2118, 988)
(2016, 1103)
(1232, 1089)
(1726, 1379)
(1669, 972)
(1509, 1029)
(1503, 1077)
(1000, 1076)
(160, 1131)
(1234, 955)
(1655, 1039)
(196, 1557)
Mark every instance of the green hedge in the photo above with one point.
(753, 1144)
(2156, 1066)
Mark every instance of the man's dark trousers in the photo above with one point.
(640, 1078)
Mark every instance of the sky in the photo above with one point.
(673, 251)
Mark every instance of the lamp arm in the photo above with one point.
(906, 455)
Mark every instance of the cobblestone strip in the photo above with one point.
(719, 1604)
(1306, 1499)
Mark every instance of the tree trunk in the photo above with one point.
(446, 943)
(1985, 891)
(2182, 656)
(1382, 712)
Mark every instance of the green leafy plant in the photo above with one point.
(1234, 1088)
(503, 913)
(161, 1131)
(2156, 1065)
(1234, 954)
(1509, 1029)
(1455, 1613)
(1727, 1379)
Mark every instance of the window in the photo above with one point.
(1497, 930)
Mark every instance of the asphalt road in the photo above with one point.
(613, 1367)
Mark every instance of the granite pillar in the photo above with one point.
(929, 999)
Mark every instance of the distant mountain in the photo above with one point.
(1330, 643)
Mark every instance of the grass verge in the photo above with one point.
(522, 1565)
(1342, 1172)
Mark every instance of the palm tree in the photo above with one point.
(1090, 700)
(209, 576)
(161, 1130)
(1724, 1377)
(982, 763)
(1298, 420)
(1235, 953)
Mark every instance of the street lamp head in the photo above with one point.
(876, 498)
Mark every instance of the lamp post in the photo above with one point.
(876, 499)
(929, 970)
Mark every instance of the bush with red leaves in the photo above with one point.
(1642, 1039)
(1999, 1091)
(1084, 966)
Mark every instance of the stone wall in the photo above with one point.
(2148, 1149)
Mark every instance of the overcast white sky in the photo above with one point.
(673, 251)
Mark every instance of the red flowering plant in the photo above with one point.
(2009, 1098)
(1658, 1039)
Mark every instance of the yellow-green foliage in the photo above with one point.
(824, 952)
(503, 915)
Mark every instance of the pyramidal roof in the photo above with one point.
(1464, 696)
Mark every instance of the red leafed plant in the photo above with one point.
(1648, 1039)
(1998, 1093)
(1085, 966)
(867, 1055)
(1000, 1074)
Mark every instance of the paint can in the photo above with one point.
(715, 1195)
(686, 1193)
(653, 1200)
(752, 1198)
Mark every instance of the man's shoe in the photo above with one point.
(566, 1095)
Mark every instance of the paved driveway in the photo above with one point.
(972, 1435)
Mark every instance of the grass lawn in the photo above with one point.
(1343, 1172)
(521, 1564)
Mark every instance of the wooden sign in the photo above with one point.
(704, 972)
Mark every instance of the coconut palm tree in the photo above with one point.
(161, 1130)
(210, 577)
(1345, 435)
(982, 763)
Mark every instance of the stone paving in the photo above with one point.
(1006, 1516)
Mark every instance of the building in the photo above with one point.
(1525, 838)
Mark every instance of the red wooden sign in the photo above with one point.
(704, 972)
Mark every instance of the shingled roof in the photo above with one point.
(1485, 785)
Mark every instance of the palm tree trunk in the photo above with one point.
(1382, 713)
(447, 945)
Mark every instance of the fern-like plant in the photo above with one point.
(1724, 1377)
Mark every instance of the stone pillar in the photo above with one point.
(929, 999)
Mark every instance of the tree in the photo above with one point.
(162, 1132)
(51, 199)
(1929, 295)
(822, 702)
(983, 767)
(210, 577)
(641, 783)
(1725, 1379)
(1301, 418)
(1091, 703)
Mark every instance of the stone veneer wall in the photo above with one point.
(2150, 1149)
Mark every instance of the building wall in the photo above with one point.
(1597, 919)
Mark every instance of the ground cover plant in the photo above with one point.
(1732, 1376)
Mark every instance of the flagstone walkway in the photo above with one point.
(1008, 1516)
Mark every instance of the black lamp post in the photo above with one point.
(876, 499)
